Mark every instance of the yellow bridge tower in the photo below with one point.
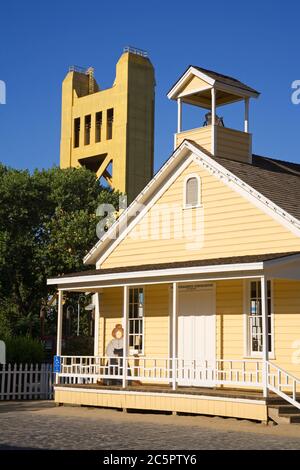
(111, 131)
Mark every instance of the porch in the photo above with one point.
(175, 373)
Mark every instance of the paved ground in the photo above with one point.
(41, 425)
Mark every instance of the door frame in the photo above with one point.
(214, 313)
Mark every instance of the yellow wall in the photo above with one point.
(287, 325)
(229, 310)
(195, 84)
(163, 402)
(111, 311)
(200, 135)
(233, 144)
(230, 328)
(131, 147)
(230, 143)
(231, 226)
(156, 318)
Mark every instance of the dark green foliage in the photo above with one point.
(24, 350)
(84, 344)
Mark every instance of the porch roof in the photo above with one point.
(285, 265)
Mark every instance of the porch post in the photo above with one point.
(265, 332)
(174, 334)
(125, 328)
(179, 115)
(213, 121)
(246, 119)
(59, 322)
(97, 323)
(59, 328)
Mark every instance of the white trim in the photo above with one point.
(174, 333)
(152, 394)
(214, 168)
(248, 353)
(237, 91)
(179, 115)
(145, 282)
(245, 317)
(194, 91)
(131, 209)
(96, 297)
(247, 191)
(159, 272)
(182, 81)
(141, 214)
(59, 323)
(199, 191)
(142, 352)
(172, 94)
(213, 121)
(265, 333)
(125, 328)
(246, 118)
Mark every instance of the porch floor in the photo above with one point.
(201, 391)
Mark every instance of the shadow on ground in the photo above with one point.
(37, 405)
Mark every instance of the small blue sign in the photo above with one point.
(57, 364)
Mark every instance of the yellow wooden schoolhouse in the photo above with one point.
(201, 277)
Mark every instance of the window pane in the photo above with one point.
(255, 317)
(269, 288)
(136, 317)
(192, 192)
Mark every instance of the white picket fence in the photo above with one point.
(26, 382)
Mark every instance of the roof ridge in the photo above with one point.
(283, 164)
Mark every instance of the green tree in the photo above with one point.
(47, 225)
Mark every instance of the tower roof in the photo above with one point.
(194, 87)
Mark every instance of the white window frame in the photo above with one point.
(131, 350)
(248, 353)
(198, 204)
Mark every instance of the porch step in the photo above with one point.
(284, 414)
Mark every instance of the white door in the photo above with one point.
(196, 335)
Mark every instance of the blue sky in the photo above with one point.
(257, 42)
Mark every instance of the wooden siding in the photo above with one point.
(287, 325)
(111, 311)
(230, 327)
(194, 85)
(156, 331)
(230, 225)
(164, 402)
(156, 322)
(233, 144)
(200, 135)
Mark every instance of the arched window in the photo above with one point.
(192, 192)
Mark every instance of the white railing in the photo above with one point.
(232, 372)
(286, 385)
(92, 369)
(29, 382)
(239, 372)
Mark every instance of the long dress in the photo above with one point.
(114, 352)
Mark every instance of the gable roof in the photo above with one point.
(270, 184)
(276, 180)
(213, 79)
(226, 79)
